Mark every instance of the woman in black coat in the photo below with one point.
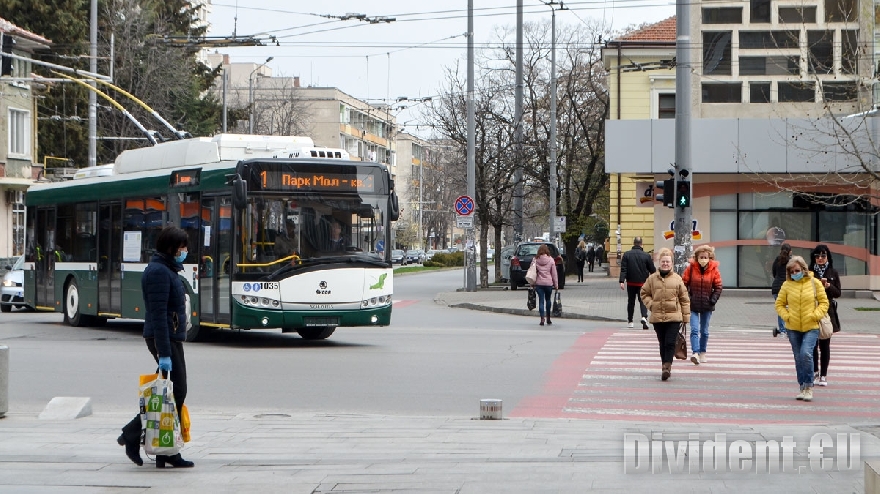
(823, 270)
(164, 331)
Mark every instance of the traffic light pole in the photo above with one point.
(683, 217)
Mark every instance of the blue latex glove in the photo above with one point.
(165, 364)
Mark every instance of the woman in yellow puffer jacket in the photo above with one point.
(801, 303)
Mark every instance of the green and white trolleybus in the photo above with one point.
(282, 234)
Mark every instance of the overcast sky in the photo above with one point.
(425, 37)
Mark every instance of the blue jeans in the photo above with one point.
(545, 298)
(779, 322)
(700, 330)
(802, 344)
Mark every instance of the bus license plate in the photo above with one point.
(321, 321)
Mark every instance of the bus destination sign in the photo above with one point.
(185, 178)
(317, 181)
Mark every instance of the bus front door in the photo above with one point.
(110, 258)
(215, 263)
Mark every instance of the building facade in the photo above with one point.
(18, 134)
(781, 145)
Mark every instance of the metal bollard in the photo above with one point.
(4, 380)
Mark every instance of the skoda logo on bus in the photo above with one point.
(322, 289)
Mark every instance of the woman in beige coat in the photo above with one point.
(665, 295)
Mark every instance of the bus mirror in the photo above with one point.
(239, 193)
(393, 207)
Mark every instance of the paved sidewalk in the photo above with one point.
(261, 452)
(600, 298)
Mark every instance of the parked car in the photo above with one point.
(12, 294)
(490, 254)
(504, 257)
(522, 259)
(398, 257)
(430, 254)
(416, 256)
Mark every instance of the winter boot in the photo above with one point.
(175, 461)
(667, 370)
(131, 439)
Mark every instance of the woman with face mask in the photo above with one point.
(823, 270)
(665, 295)
(164, 331)
(801, 303)
(703, 281)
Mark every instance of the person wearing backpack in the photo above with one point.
(580, 255)
(591, 258)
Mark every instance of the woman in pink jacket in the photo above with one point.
(546, 280)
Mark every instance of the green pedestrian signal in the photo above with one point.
(683, 194)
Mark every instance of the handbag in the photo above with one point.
(826, 329)
(532, 273)
(681, 347)
(159, 416)
(531, 301)
(556, 309)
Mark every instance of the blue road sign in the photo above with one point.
(464, 205)
(380, 246)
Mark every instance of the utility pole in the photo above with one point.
(518, 130)
(553, 182)
(683, 228)
(93, 97)
(470, 251)
(251, 98)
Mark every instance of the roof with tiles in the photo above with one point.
(8, 27)
(661, 31)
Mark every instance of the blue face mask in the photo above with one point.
(797, 276)
(180, 257)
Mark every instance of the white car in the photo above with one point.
(13, 286)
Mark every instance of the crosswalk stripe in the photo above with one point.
(745, 380)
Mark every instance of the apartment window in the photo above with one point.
(797, 15)
(796, 92)
(666, 106)
(759, 92)
(841, 11)
(722, 15)
(840, 91)
(821, 50)
(759, 11)
(722, 92)
(716, 52)
(768, 39)
(20, 133)
(778, 65)
(849, 44)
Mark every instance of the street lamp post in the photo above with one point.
(251, 95)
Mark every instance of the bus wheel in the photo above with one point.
(321, 333)
(72, 314)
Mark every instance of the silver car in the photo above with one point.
(13, 289)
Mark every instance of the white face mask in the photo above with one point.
(703, 262)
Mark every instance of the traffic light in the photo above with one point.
(683, 194)
(666, 195)
(6, 47)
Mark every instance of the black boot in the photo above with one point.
(131, 439)
(175, 461)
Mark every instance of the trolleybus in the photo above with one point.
(281, 235)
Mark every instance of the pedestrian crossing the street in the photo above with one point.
(749, 377)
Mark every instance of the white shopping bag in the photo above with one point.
(159, 417)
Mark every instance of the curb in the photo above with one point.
(524, 312)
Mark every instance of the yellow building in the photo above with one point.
(641, 86)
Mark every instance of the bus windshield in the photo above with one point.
(280, 229)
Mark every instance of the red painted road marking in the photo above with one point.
(748, 379)
(399, 304)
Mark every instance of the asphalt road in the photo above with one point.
(432, 360)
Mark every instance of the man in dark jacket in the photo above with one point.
(635, 267)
